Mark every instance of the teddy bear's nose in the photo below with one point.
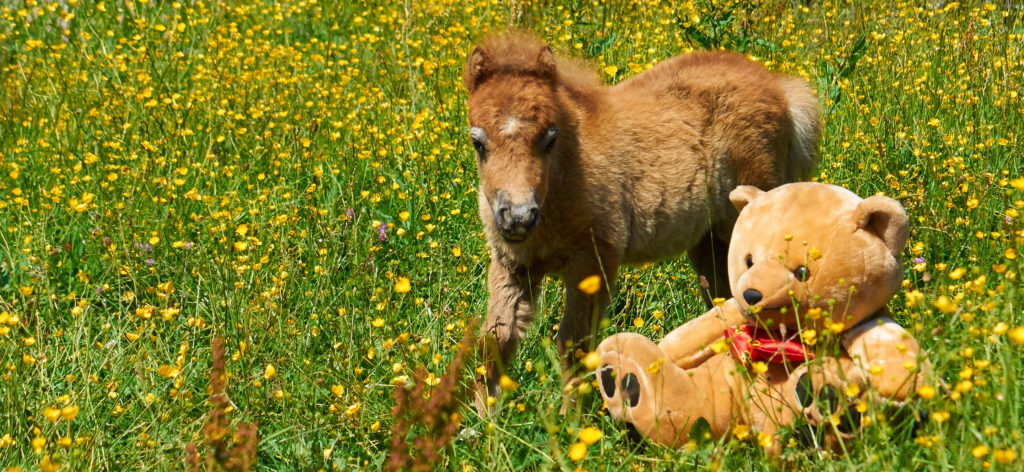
(751, 296)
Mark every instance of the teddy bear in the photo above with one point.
(803, 346)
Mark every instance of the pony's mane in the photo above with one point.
(574, 71)
(520, 53)
(513, 52)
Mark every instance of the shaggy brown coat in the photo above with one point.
(618, 174)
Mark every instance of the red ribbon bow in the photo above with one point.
(750, 344)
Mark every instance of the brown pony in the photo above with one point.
(577, 178)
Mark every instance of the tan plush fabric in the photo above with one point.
(804, 256)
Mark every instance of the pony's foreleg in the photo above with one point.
(509, 314)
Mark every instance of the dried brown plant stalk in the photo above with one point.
(225, 449)
(437, 414)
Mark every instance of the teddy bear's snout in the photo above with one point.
(752, 296)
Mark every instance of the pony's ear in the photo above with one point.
(546, 61)
(885, 218)
(475, 68)
(744, 194)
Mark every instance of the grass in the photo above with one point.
(296, 179)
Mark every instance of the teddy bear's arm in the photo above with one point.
(887, 356)
(691, 344)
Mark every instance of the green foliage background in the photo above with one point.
(268, 171)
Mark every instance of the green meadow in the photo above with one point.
(296, 179)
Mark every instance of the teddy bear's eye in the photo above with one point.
(802, 273)
(750, 261)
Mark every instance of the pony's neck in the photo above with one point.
(580, 98)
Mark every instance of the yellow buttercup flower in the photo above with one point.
(507, 384)
(69, 412)
(926, 392)
(591, 360)
(590, 435)
(52, 414)
(1016, 335)
(577, 451)
(945, 305)
(741, 431)
(403, 285)
(590, 285)
(1004, 456)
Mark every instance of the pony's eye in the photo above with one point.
(479, 137)
(750, 261)
(480, 147)
(802, 273)
(547, 143)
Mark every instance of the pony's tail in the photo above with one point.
(805, 120)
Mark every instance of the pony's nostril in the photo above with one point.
(631, 389)
(751, 296)
(501, 217)
(607, 381)
(532, 217)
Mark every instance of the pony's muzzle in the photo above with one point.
(516, 219)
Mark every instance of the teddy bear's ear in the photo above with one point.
(744, 194)
(885, 218)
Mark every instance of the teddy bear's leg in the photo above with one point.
(659, 399)
(823, 401)
(884, 347)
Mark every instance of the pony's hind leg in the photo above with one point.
(584, 307)
(710, 260)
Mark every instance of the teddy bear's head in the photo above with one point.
(805, 254)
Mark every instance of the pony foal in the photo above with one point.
(577, 178)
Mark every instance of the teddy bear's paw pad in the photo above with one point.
(631, 389)
(825, 399)
(849, 420)
(607, 376)
(804, 391)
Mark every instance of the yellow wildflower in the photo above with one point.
(507, 384)
(590, 285)
(403, 285)
(590, 435)
(577, 451)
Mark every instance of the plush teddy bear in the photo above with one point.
(803, 346)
